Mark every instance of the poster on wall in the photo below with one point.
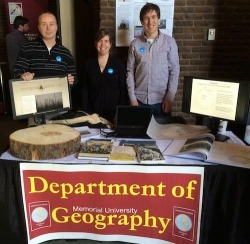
(128, 24)
(27, 8)
(132, 203)
(15, 9)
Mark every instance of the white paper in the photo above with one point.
(230, 154)
(174, 131)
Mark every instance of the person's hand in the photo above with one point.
(27, 76)
(167, 106)
(71, 79)
(134, 103)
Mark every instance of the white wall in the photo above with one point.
(68, 24)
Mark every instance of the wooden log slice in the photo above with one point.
(49, 141)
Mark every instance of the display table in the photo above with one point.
(225, 210)
(225, 203)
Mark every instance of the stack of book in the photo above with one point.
(123, 154)
(96, 149)
(149, 154)
(145, 152)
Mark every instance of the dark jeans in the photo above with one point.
(156, 109)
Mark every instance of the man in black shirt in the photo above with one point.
(45, 56)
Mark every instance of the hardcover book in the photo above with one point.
(135, 142)
(123, 154)
(149, 154)
(96, 149)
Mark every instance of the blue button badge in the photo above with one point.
(142, 49)
(58, 59)
(110, 71)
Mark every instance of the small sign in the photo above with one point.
(15, 9)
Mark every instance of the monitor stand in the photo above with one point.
(37, 120)
(40, 119)
(213, 125)
(43, 118)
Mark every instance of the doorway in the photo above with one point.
(87, 22)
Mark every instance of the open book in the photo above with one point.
(206, 149)
(194, 148)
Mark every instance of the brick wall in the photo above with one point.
(226, 57)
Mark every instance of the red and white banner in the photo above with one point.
(130, 203)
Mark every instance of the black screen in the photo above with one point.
(131, 116)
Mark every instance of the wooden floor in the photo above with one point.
(7, 126)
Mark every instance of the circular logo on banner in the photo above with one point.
(58, 59)
(110, 71)
(142, 49)
(183, 222)
(39, 214)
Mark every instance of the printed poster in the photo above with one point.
(128, 24)
(15, 9)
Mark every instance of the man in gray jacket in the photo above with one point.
(153, 65)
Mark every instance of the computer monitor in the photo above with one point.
(39, 97)
(217, 99)
(132, 121)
